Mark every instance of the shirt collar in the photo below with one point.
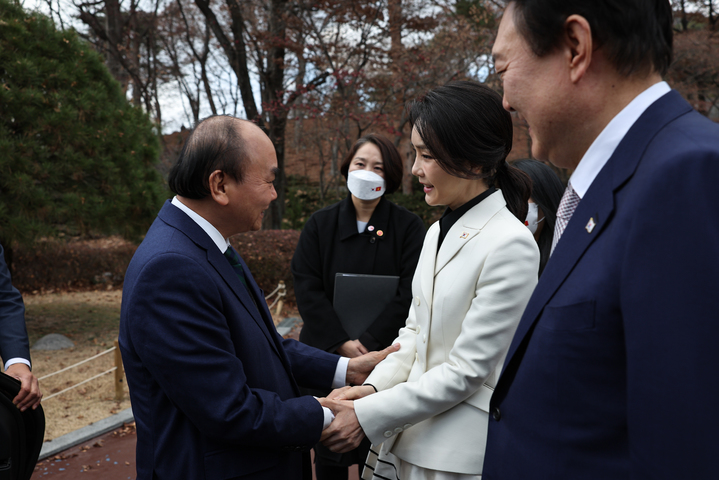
(604, 145)
(221, 242)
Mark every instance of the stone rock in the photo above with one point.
(53, 341)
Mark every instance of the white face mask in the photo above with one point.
(365, 185)
(532, 221)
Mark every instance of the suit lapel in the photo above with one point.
(467, 227)
(596, 208)
(426, 266)
(178, 219)
(223, 267)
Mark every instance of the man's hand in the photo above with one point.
(29, 395)
(344, 433)
(360, 367)
(352, 349)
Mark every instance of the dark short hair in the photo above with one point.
(547, 191)
(469, 133)
(391, 160)
(635, 34)
(215, 144)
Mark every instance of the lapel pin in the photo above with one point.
(590, 225)
(370, 228)
(380, 233)
(464, 235)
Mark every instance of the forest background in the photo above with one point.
(314, 74)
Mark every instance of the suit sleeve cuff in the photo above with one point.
(15, 360)
(340, 379)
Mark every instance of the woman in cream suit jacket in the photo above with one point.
(475, 275)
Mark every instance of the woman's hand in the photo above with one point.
(352, 393)
(352, 349)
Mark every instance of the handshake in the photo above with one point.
(345, 433)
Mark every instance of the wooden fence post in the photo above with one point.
(282, 293)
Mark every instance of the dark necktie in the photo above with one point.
(234, 259)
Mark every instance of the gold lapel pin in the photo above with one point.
(590, 225)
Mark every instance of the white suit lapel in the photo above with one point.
(425, 269)
(467, 227)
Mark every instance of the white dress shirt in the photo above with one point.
(15, 360)
(604, 145)
(340, 378)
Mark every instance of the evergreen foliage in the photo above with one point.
(73, 152)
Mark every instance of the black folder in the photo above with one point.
(359, 299)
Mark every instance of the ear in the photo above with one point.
(218, 185)
(579, 44)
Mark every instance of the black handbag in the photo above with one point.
(21, 433)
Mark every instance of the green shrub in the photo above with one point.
(74, 152)
(268, 254)
(99, 264)
(71, 266)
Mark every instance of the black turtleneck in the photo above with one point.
(450, 216)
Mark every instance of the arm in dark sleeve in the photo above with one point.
(13, 334)
(311, 367)
(384, 330)
(321, 327)
(670, 311)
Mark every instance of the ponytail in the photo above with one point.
(516, 188)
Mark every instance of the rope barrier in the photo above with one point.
(282, 292)
(77, 364)
(78, 384)
(279, 285)
(279, 293)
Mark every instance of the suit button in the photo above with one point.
(419, 328)
(387, 434)
(424, 338)
(407, 425)
(372, 240)
(416, 301)
(397, 430)
(496, 414)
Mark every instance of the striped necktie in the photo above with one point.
(234, 259)
(567, 206)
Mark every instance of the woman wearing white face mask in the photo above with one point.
(547, 192)
(367, 234)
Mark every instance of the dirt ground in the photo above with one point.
(95, 399)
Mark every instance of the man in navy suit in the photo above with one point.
(214, 388)
(14, 346)
(612, 373)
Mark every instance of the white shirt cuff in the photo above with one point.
(329, 416)
(15, 360)
(340, 379)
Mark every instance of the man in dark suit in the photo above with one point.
(14, 345)
(214, 388)
(612, 373)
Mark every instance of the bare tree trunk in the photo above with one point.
(276, 107)
(113, 27)
(396, 52)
